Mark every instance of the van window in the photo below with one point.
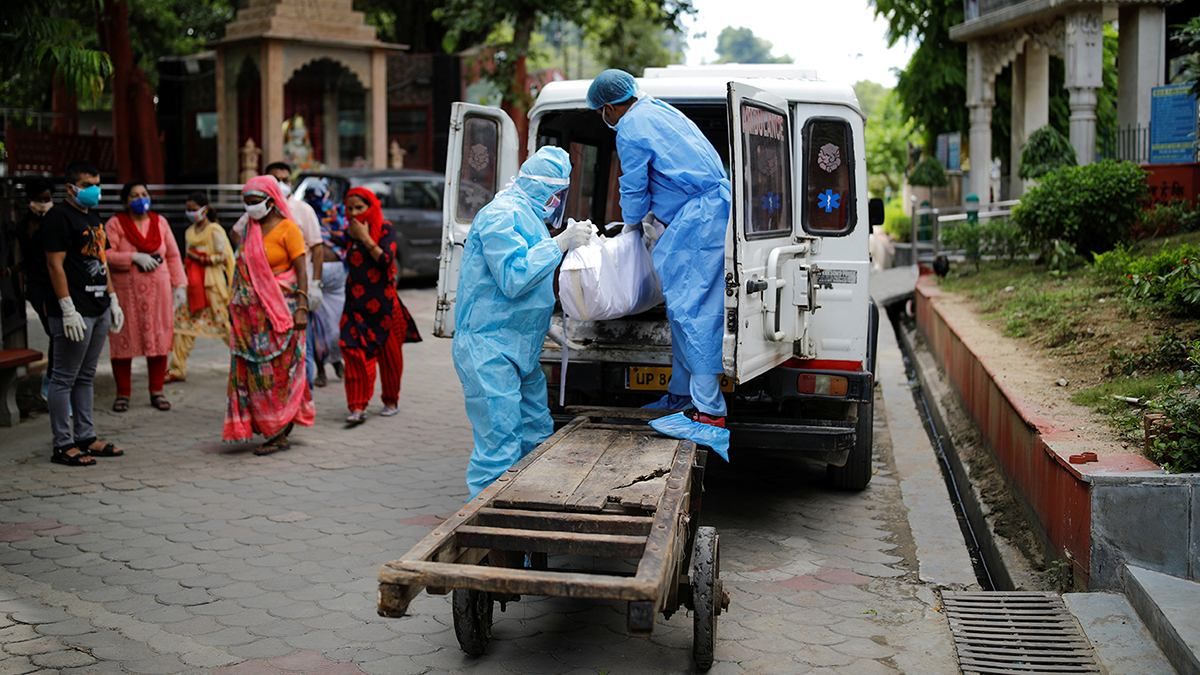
(828, 177)
(477, 175)
(767, 172)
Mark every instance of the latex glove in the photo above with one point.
(560, 338)
(575, 234)
(650, 234)
(145, 261)
(315, 295)
(115, 312)
(73, 325)
(180, 297)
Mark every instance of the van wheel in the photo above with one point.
(856, 473)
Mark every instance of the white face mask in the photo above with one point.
(195, 216)
(604, 117)
(260, 210)
(285, 189)
(40, 208)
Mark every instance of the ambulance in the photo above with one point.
(798, 346)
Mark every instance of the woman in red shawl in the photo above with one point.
(374, 322)
(268, 312)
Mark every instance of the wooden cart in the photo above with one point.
(606, 485)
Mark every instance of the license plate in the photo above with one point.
(655, 378)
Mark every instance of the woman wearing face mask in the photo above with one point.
(209, 265)
(268, 311)
(375, 324)
(148, 275)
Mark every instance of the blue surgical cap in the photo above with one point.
(611, 87)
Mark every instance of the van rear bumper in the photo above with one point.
(828, 441)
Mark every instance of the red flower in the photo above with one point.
(357, 291)
(356, 258)
(373, 306)
(373, 275)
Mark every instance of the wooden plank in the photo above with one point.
(550, 481)
(516, 581)
(540, 541)
(625, 474)
(559, 521)
(664, 546)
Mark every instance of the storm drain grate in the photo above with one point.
(1016, 632)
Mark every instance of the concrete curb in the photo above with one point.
(942, 556)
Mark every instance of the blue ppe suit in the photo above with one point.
(505, 299)
(669, 168)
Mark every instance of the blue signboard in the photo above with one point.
(1173, 119)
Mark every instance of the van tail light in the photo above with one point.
(822, 385)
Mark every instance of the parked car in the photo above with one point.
(411, 200)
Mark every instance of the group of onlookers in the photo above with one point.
(298, 284)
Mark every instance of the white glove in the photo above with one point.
(560, 338)
(180, 297)
(118, 316)
(650, 233)
(73, 325)
(576, 234)
(145, 261)
(315, 296)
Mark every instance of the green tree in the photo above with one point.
(50, 39)
(888, 133)
(741, 45)
(1045, 151)
(869, 95)
(1188, 37)
(509, 26)
(933, 87)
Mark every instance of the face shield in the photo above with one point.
(555, 208)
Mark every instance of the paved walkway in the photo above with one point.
(189, 555)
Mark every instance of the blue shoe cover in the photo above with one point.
(679, 426)
(670, 402)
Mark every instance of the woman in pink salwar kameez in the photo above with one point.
(146, 266)
(268, 312)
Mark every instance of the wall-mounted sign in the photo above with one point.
(1173, 120)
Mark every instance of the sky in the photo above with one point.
(841, 39)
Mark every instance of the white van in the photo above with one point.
(800, 326)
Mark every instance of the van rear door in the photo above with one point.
(481, 159)
(769, 284)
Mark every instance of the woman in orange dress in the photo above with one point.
(268, 312)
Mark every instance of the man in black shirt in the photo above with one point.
(83, 311)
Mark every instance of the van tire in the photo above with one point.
(855, 475)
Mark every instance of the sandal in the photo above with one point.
(172, 378)
(320, 380)
(121, 404)
(79, 458)
(276, 444)
(105, 450)
(337, 369)
(160, 402)
(356, 418)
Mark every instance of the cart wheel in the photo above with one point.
(472, 620)
(706, 592)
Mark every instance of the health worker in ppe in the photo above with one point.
(671, 170)
(505, 299)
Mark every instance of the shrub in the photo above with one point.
(896, 221)
(1177, 448)
(1090, 207)
(1169, 277)
(1165, 219)
(967, 237)
(1163, 354)
(1062, 258)
(1002, 238)
(1045, 151)
(928, 173)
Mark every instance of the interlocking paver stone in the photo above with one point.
(188, 555)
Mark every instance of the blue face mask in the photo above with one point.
(139, 206)
(88, 197)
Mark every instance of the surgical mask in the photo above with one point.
(40, 208)
(88, 197)
(260, 210)
(285, 188)
(195, 216)
(604, 117)
(139, 206)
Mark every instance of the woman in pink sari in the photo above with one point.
(268, 312)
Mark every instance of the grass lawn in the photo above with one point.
(1114, 346)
